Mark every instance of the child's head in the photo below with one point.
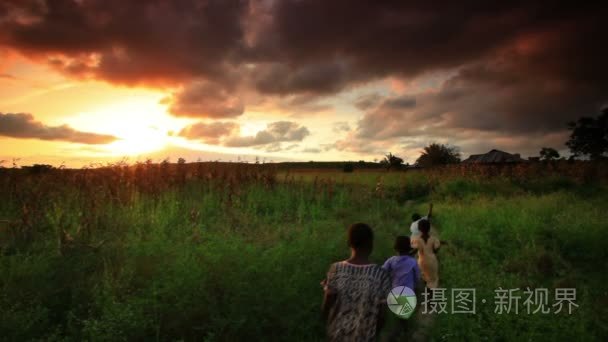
(361, 237)
(403, 245)
(424, 226)
(416, 217)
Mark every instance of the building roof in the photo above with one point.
(494, 156)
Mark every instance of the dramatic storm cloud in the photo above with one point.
(22, 125)
(508, 70)
(202, 99)
(130, 42)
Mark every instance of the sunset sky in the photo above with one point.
(84, 81)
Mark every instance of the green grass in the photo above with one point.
(195, 264)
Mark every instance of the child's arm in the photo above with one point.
(387, 265)
(436, 245)
(329, 292)
(329, 299)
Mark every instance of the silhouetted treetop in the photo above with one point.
(589, 136)
(438, 154)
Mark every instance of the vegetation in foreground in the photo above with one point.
(224, 252)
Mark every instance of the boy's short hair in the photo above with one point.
(360, 235)
(416, 217)
(403, 244)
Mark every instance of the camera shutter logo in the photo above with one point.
(401, 301)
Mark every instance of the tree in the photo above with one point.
(548, 153)
(392, 161)
(589, 136)
(438, 154)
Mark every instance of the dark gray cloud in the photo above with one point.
(367, 101)
(292, 46)
(209, 133)
(408, 38)
(298, 105)
(482, 107)
(318, 78)
(22, 125)
(521, 67)
(280, 131)
(385, 120)
(302, 103)
(486, 97)
(203, 99)
(519, 93)
(400, 103)
(128, 42)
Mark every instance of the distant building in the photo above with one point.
(494, 157)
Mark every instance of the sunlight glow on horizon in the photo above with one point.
(140, 123)
(145, 128)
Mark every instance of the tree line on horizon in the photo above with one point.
(588, 140)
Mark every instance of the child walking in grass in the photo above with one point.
(404, 271)
(427, 246)
(355, 291)
(416, 218)
(402, 267)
